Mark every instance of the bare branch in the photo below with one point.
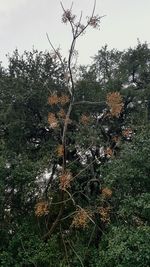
(79, 23)
(56, 52)
(64, 134)
(88, 103)
(48, 234)
(84, 168)
(93, 11)
(69, 65)
(84, 28)
(71, 6)
(71, 246)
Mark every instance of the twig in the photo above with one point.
(56, 52)
(69, 242)
(71, 197)
(88, 102)
(48, 234)
(27, 253)
(66, 254)
(84, 169)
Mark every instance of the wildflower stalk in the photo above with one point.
(77, 30)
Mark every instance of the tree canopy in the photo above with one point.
(74, 161)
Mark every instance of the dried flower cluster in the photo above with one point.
(106, 192)
(116, 138)
(81, 218)
(41, 208)
(84, 119)
(127, 132)
(108, 152)
(60, 150)
(61, 113)
(68, 16)
(65, 180)
(115, 103)
(64, 99)
(54, 99)
(104, 214)
(52, 120)
(94, 21)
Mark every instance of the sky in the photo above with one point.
(24, 23)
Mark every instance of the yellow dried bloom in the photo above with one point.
(84, 119)
(53, 99)
(60, 150)
(104, 214)
(52, 120)
(116, 138)
(127, 132)
(65, 179)
(81, 218)
(64, 99)
(115, 103)
(108, 152)
(62, 113)
(41, 208)
(106, 192)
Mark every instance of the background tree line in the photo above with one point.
(84, 202)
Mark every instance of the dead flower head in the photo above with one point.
(41, 208)
(106, 192)
(108, 152)
(52, 120)
(127, 132)
(81, 218)
(64, 99)
(65, 180)
(60, 150)
(94, 21)
(84, 119)
(68, 16)
(115, 103)
(53, 100)
(61, 113)
(104, 214)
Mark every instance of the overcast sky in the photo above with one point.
(24, 23)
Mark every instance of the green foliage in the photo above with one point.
(31, 251)
(30, 164)
(124, 246)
